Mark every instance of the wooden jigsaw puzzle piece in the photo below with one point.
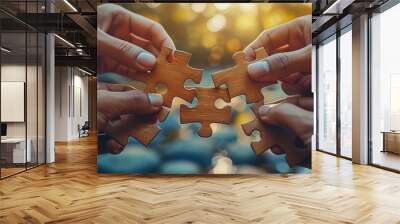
(237, 80)
(271, 136)
(141, 128)
(205, 111)
(173, 75)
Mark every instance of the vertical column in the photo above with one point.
(314, 90)
(50, 92)
(360, 90)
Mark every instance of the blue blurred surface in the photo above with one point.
(131, 160)
(277, 164)
(225, 137)
(191, 150)
(242, 154)
(170, 124)
(180, 167)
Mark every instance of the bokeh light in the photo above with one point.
(247, 7)
(245, 23)
(199, 27)
(199, 7)
(222, 6)
(184, 15)
(216, 23)
(153, 5)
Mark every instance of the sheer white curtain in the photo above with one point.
(346, 94)
(327, 96)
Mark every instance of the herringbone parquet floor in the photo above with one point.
(70, 191)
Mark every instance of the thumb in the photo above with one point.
(124, 52)
(280, 65)
(289, 116)
(114, 104)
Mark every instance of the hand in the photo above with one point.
(294, 114)
(289, 47)
(116, 100)
(127, 42)
(297, 84)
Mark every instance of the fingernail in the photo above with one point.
(258, 69)
(263, 110)
(145, 59)
(155, 99)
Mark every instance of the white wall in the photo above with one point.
(14, 73)
(33, 126)
(70, 84)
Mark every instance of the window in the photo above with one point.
(385, 88)
(327, 96)
(346, 92)
(22, 75)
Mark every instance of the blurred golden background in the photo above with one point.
(212, 32)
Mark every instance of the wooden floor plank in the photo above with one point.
(70, 191)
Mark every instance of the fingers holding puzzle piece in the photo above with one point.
(173, 75)
(142, 128)
(205, 111)
(237, 79)
(271, 136)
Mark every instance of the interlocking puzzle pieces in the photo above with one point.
(237, 80)
(142, 128)
(205, 112)
(271, 136)
(173, 75)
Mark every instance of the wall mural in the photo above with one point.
(204, 88)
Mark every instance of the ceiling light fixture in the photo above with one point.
(5, 50)
(84, 71)
(337, 7)
(65, 41)
(70, 5)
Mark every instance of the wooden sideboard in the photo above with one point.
(391, 141)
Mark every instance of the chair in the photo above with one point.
(84, 130)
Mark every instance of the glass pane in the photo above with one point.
(385, 89)
(31, 98)
(327, 96)
(41, 98)
(346, 94)
(13, 85)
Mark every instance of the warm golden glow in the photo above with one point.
(199, 7)
(222, 6)
(199, 28)
(209, 40)
(245, 23)
(233, 45)
(247, 7)
(153, 5)
(216, 23)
